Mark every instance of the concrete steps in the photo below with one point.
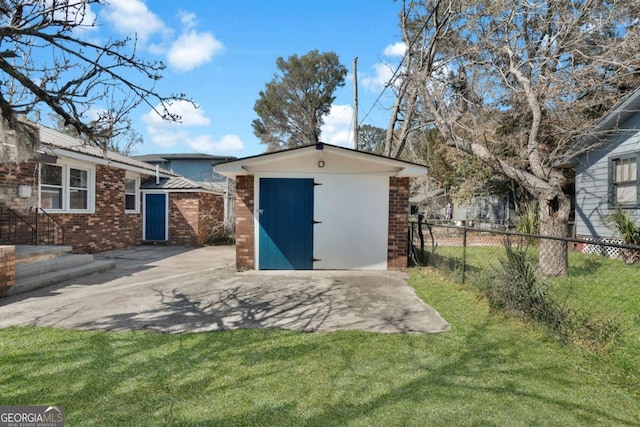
(40, 266)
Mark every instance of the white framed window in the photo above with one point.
(78, 189)
(51, 189)
(132, 193)
(67, 187)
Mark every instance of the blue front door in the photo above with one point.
(155, 216)
(286, 224)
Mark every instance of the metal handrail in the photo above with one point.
(51, 236)
(15, 228)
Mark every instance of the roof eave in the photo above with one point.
(245, 165)
(611, 121)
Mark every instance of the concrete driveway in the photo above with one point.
(170, 289)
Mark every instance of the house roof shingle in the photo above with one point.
(610, 122)
(52, 140)
(179, 183)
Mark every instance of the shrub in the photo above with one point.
(520, 292)
(528, 218)
(628, 230)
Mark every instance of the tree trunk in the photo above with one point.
(18, 141)
(554, 216)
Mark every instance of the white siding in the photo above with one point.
(592, 180)
(354, 210)
(352, 205)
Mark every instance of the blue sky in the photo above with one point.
(221, 53)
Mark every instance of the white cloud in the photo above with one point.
(188, 19)
(383, 71)
(165, 138)
(203, 143)
(94, 112)
(396, 49)
(193, 49)
(227, 144)
(338, 126)
(133, 16)
(382, 74)
(189, 115)
(173, 134)
(190, 50)
(76, 11)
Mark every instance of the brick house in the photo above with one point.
(103, 200)
(199, 167)
(321, 207)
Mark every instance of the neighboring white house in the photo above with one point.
(607, 175)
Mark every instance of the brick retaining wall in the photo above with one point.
(7, 268)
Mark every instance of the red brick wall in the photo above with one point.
(109, 227)
(183, 218)
(7, 268)
(193, 217)
(211, 217)
(398, 220)
(12, 176)
(245, 242)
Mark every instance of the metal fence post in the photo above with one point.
(37, 239)
(464, 252)
(421, 235)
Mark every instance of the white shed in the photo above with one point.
(321, 207)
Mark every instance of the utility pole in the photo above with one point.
(355, 102)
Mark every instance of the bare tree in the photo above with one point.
(45, 63)
(116, 132)
(514, 84)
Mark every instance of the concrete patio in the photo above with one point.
(175, 289)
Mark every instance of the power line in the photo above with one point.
(404, 57)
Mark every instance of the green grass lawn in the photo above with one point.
(486, 370)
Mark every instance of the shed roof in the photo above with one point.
(314, 155)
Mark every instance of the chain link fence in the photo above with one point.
(602, 276)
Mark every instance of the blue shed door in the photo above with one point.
(155, 217)
(286, 224)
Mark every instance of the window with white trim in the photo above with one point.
(78, 189)
(66, 187)
(132, 193)
(623, 178)
(51, 188)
